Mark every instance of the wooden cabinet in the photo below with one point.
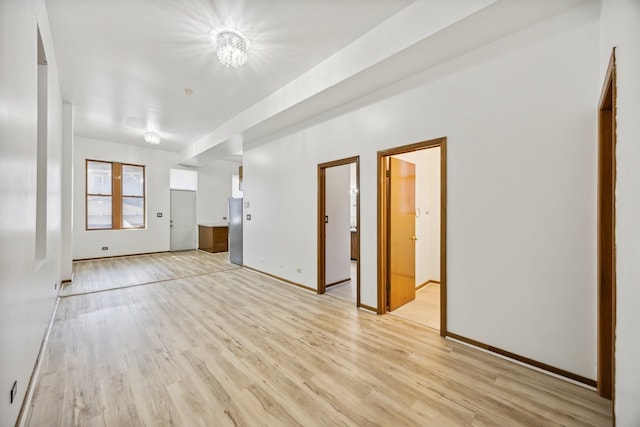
(213, 238)
(354, 246)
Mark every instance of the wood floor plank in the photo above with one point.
(98, 275)
(234, 347)
(424, 309)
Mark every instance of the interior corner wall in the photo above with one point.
(620, 28)
(520, 120)
(156, 236)
(28, 289)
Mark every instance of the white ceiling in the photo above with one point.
(124, 64)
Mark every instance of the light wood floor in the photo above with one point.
(425, 309)
(346, 291)
(110, 273)
(239, 348)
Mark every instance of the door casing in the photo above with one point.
(383, 223)
(606, 234)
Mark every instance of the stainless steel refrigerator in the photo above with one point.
(235, 231)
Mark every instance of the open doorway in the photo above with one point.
(412, 233)
(338, 229)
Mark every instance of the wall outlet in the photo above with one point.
(13, 391)
(299, 270)
(159, 214)
(105, 248)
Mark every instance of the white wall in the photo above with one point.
(620, 27)
(431, 214)
(280, 194)
(427, 200)
(27, 293)
(338, 229)
(214, 191)
(520, 119)
(155, 238)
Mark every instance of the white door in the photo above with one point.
(183, 220)
(337, 224)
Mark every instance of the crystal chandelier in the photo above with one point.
(232, 48)
(152, 138)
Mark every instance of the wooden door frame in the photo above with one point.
(383, 223)
(322, 195)
(606, 233)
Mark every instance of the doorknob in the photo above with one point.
(414, 238)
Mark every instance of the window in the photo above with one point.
(115, 196)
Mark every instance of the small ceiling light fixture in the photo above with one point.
(232, 48)
(152, 138)
(188, 91)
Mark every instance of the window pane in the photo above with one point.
(132, 180)
(132, 212)
(99, 178)
(98, 212)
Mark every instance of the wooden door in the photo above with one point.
(402, 232)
